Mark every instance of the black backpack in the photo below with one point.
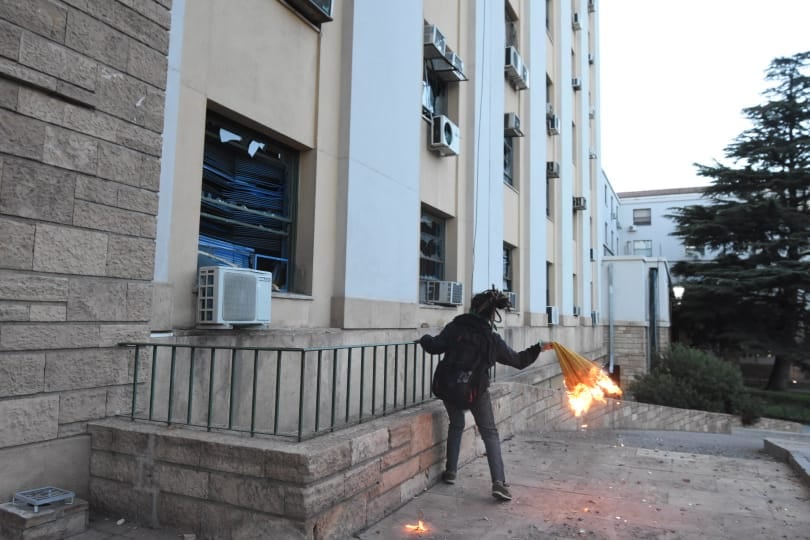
(462, 375)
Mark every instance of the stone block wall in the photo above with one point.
(81, 114)
(226, 486)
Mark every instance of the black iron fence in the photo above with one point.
(289, 392)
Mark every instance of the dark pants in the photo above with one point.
(485, 421)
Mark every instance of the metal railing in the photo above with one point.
(289, 392)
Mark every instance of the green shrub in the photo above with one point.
(694, 379)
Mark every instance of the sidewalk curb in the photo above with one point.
(797, 455)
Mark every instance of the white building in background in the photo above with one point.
(647, 231)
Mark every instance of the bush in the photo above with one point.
(693, 379)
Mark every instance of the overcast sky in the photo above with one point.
(675, 76)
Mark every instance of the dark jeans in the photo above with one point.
(485, 420)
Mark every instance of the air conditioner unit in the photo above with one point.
(450, 293)
(553, 315)
(435, 45)
(594, 317)
(580, 203)
(552, 169)
(577, 311)
(576, 83)
(591, 6)
(511, 125)
(456, 61)
(513, 66)
(591, 58)
(513, 299)
(523, 82)
(227, 295)
(592, 113)
(591, 155)
(444, 136)
(549, 109)
(575, 22)
(632, 228)
(553, 124)
(316, 11)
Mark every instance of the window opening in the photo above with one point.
(431, 247)
(642, 216)
(247, 200)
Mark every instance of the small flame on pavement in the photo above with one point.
(418, 528)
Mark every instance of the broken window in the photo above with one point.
(247, 203)
(431, 247)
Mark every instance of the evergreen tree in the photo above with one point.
(754, 296)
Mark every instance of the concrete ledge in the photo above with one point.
(795, 453)
(59, 520)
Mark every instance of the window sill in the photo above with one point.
(292, 296)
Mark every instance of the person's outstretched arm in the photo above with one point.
(504, 354)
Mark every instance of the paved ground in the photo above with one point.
(602, 485)
(617, 485)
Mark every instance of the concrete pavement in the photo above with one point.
(605, 485)
(618, 485)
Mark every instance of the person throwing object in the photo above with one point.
(471, 347)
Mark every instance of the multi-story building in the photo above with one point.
(646, 228)
(383, 161)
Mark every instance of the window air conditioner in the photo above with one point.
(435, 46)
(553, 124)
(577, 311)
(594, 317)
(575, 22)
(553, 315)
(513, 68)
(444, 136)
(449, 293)
(591, 6)
(576, 83)
(227, 295)
(580, 203)
(632, 228)
(523, 82)
(511, 125)
(513, 299)
(552, 169)
(316, 11)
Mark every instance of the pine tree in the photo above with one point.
(753, 297)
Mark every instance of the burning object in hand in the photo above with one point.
(585, 381)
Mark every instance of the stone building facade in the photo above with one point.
(82, 86)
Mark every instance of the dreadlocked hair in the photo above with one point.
(485, 304)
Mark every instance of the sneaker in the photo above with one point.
(449, 477)
(500, 490)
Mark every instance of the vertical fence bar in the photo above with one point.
(277, 411)
(301, 396)
(135, 382)
(152, 382)
(385, 378)
(415, 373)
(190, 385)
(373, 380)
(404, 376)
(424, 363)
(348, 382)
(171, 386)
(334, 384)
(254, 392)
(318, 395)
(232, 397)
(362, 382)
(211, 388)
(396, 375)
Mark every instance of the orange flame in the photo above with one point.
(592, 387)
(418, 528)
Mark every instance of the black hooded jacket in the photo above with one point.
(462, 328)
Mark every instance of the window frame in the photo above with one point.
(639, 216)
(240, 192)
(439, 234)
